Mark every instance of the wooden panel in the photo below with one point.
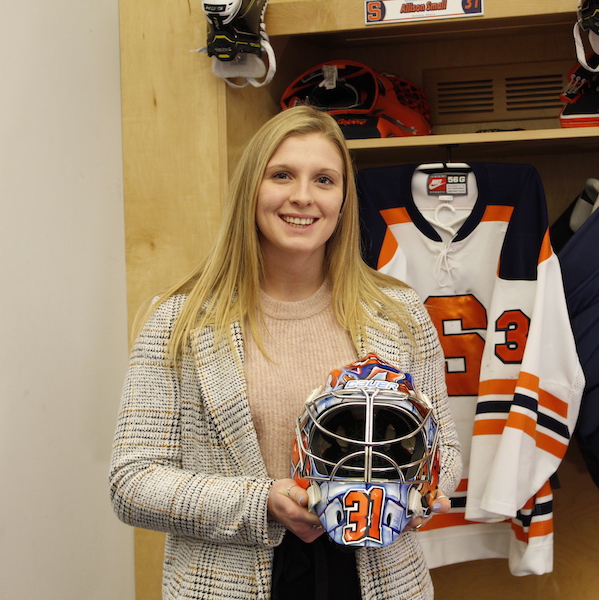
(175, 171)
(247, 110)
(173, 143)
(149, 554)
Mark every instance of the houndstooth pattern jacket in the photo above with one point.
(186, 461)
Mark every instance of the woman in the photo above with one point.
(220, 371)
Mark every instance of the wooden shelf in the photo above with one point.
(476, 146)
(296, 17)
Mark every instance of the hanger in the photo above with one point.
(446, 166)
(457, 220)
(454, 191)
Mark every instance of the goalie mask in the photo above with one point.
(366, 451)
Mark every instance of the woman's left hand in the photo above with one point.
(288, 504)
(441, 504)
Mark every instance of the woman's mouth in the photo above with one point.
(299, 221)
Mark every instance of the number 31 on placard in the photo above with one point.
(471, 6)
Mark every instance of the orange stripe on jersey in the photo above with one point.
(523, 423)
(553, 403)
(488, 427)
(546, 400)
(546, 250)
(551, 445)
(453, 518)
(536, 529)
(531, 501)
(498, 213)
(462, 486)
(521, 535)
(388, 249)
(503, 387)
(545, 491)
(528, 381)
(540, 528)
(440, 521)
(393, 216)
(529, 426)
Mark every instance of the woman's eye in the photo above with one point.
(280, 176)
(325, 180)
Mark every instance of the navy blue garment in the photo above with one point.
(580, 271)
(321, 570)
(560, 231)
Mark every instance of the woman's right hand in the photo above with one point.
(288, 505)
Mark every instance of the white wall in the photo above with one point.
(63, 346)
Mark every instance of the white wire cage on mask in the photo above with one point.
(366, 450)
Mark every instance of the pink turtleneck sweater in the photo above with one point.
(305, 342)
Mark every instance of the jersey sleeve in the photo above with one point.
(529, 395)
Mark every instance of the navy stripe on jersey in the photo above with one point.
(530, 404)
(459, 502)
(541, 509)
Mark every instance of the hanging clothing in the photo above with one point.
(579, 210)
(493, 288)
(580, 267)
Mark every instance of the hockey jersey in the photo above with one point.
(474, 244)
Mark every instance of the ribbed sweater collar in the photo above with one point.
(302, 309)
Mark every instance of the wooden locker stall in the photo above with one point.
(183, 129)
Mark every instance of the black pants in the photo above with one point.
(321, 570)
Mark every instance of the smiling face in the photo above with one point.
(299, 199)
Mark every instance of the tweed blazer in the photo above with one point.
(186, 461)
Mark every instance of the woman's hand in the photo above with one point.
(441, 504)
(287, 504)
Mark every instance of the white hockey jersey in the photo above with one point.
(474, 244)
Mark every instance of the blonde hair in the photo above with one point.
(225, 287)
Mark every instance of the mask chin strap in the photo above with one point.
(580, 51)
(314, 497)
(415, 503)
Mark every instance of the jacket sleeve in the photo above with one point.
(161, 480)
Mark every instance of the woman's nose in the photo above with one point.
(301, 194)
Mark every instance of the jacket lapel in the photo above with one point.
(223, 390)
